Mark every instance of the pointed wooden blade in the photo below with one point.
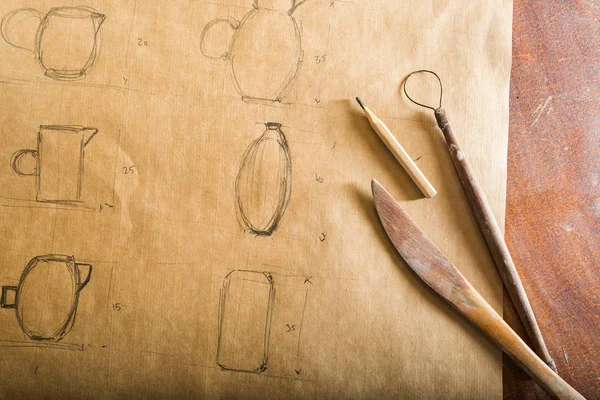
(437, 271)
(419, 252)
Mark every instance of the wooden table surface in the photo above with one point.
(553, 199)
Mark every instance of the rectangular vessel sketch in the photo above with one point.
(59, 60)
(245, 311)
(57, 163)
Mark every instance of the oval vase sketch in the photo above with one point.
(263, 184)
(265, 52)
(46, 299)
(57, 163)
(245, 311)
(66, 43)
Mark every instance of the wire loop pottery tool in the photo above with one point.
(488, 225)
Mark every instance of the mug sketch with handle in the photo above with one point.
(79, 27)
(261, 70)
(57, 162)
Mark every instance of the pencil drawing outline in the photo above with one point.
(222, 315)
(237, 43)
(85, 134)
(80, 275)
(79, 12)
(244, 191)
(42, 345)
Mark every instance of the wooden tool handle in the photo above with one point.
(470, 303)
(493, 236)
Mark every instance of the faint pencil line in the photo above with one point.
(301, 323)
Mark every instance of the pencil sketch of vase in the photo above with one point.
(265, 52)
(245, 311)
(66, 42)
(263, 184)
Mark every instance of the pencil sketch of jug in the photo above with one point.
(263, 184)
(46, 298)
(265, 52)
(66, 43)
(57, 163)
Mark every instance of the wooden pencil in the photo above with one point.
(398, 151)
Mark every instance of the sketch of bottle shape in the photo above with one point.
(264, 182)
(245, 310)
(46, 299)
(265, 52)
(57, 163)
(66, 43)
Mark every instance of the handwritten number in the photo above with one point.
(290, 328)
(319, 59)
(322, 236)
(117, 306)
(318, 178)
(142, 42)
(129, 170)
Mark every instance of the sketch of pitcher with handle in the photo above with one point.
(265, 53)
(46, 299)
(57, 162)
(66, 42)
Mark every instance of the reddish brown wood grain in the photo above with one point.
(553, 199)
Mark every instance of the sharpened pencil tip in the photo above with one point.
(361, 103)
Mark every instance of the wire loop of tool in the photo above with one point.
(416, 102)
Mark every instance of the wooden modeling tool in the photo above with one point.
(430, 264)
(398, 151)
(489, 228)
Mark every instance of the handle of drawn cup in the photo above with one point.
(16, 160)
(3, 303)
(6, 21)
(233, 24)
(78, 271)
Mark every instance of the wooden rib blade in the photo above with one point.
(419, 252)
(427, 260)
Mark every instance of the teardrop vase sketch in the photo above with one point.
(265, 52)
(67, 40)
(46, 299)
(264, 182)
(57, 162)
(245, 311)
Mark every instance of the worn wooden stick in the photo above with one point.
(491, 232)
(398, 151)
(430, 264)
(495, 241)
